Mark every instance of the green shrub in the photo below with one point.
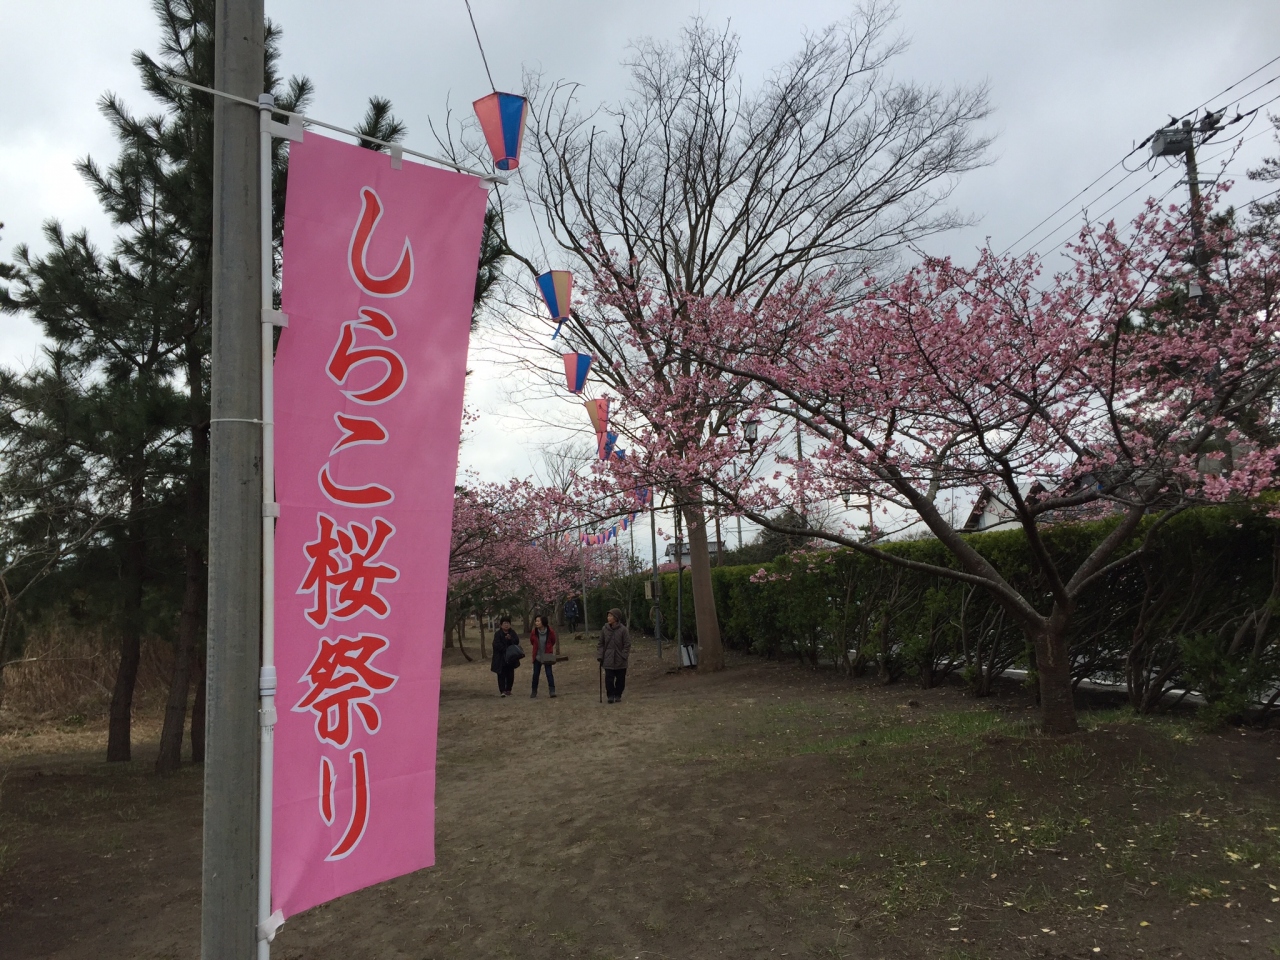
(1193, 612)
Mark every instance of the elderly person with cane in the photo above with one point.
(612, 653)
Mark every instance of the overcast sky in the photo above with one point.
(1074, 86)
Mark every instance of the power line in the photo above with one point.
(1264, 103)
(1255, 90)
(1232, 87)
(1120, 162)
(1144, 184)
(1264, 196)
(1054, 230)
(1159, 200)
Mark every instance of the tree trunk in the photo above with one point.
(197, 574)
(120, 724)
(4, 639)
(480, 624)
(884, 674)
(1057, 702)
(710, 649)
(462, 636)
(929, 662)
(197, 713)
(175, 711)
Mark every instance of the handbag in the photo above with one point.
(513, 655)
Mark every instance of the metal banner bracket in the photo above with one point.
(292, 130)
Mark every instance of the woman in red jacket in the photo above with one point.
(545, 645)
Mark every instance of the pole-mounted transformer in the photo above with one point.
(1172, 141)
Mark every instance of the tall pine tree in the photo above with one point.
(129, 338)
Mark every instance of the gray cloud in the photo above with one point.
(1074, 86)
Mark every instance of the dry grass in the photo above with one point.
(65, 673)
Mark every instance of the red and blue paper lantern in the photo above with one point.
(576, 366)
(605, 443)
(501, 117)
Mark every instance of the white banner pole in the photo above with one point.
(271, 318)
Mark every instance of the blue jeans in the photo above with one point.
(537, 670)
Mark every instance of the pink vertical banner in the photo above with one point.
(379, 271)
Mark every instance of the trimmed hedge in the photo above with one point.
(1195, 613)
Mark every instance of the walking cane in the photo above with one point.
(600, 665)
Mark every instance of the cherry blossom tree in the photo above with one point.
(709, 184)
(513, 541)
(1115, 389)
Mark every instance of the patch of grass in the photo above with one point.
(1178, 729)
(568, 938)
(930, 728)
(1054, 831)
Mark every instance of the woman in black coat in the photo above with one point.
(502, 664)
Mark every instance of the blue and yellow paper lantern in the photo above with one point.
(598, 411)
(501, 117)
(576, 366)
(556, 287)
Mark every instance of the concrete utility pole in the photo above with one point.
(800, 457)
(1181, 141)
(679, 634)
(656, 590)
(230, 896)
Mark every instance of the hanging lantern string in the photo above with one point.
(537, 229)
(483, 58)
(533, 215)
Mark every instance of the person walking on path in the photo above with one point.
(502, 664)
(544, 645)
(613, 652)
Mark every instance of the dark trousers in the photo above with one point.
(538, 667)
(506, 679)
(614, 683)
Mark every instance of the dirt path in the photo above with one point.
(760, 813)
